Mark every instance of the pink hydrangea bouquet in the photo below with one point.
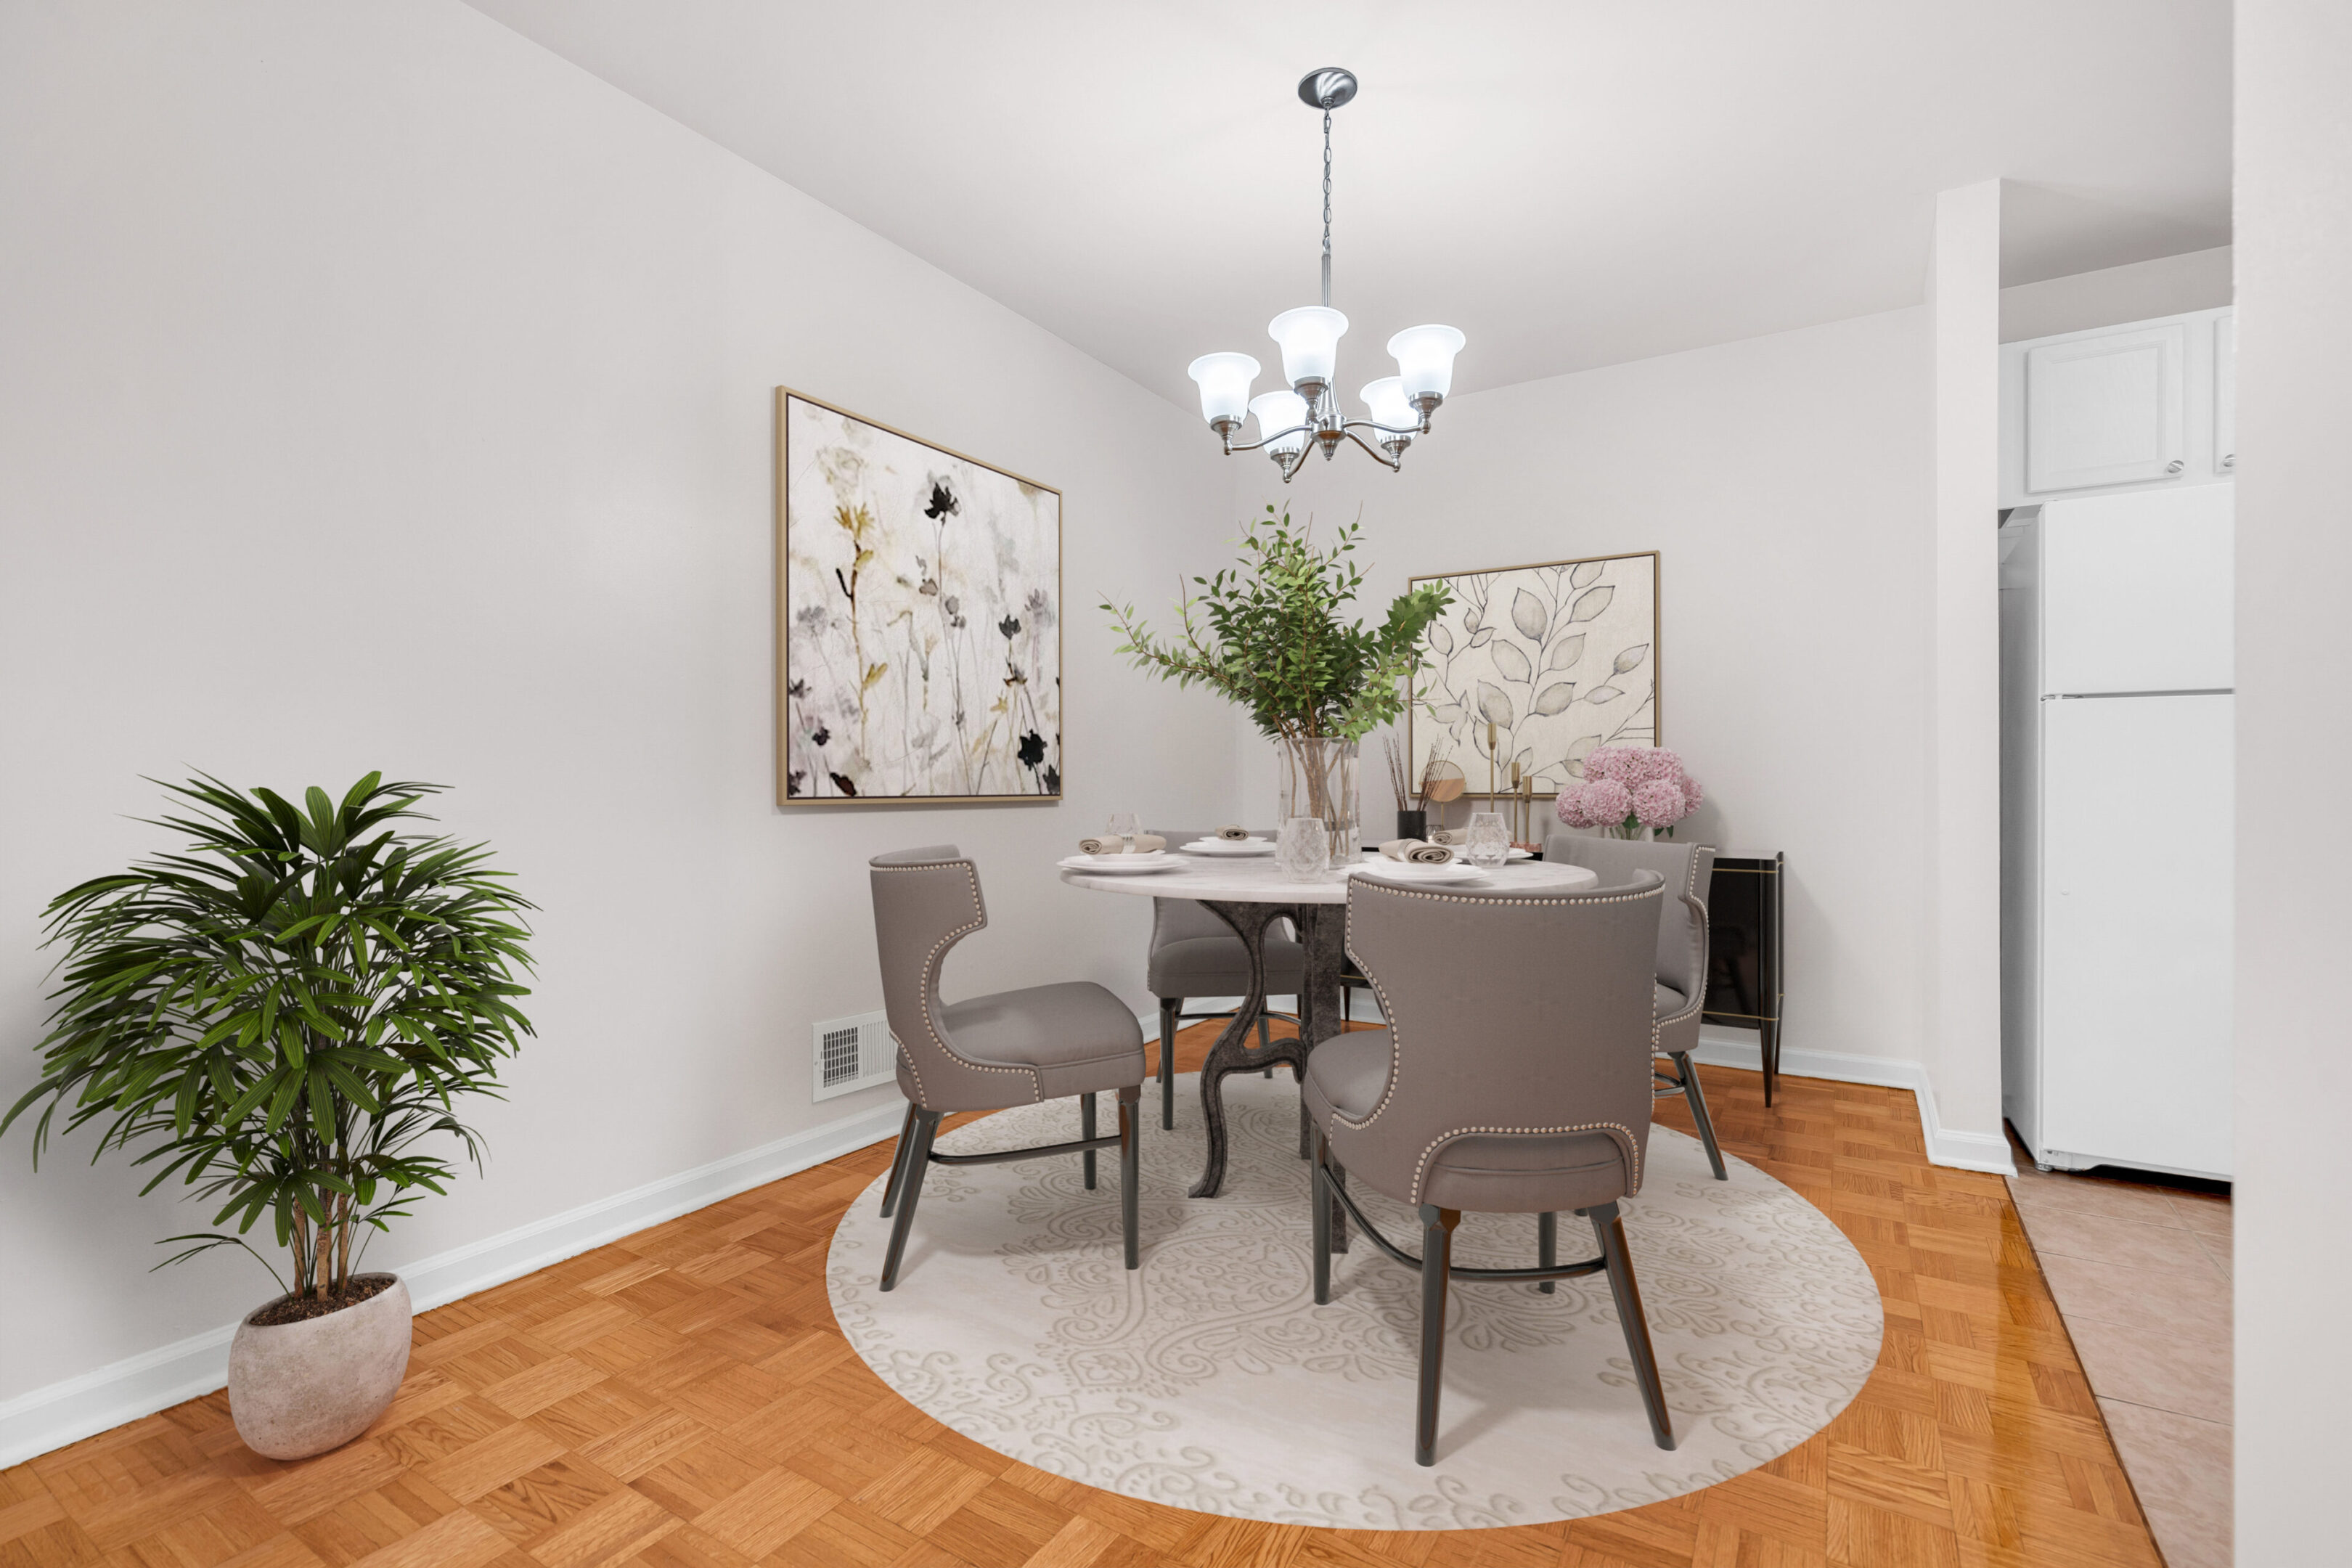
(1628, 788)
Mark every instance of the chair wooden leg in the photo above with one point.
(899, 1161)
(1321, 1203)
(1436, 1257)
(1087, 1129)
(1696, 1097)
(1130, 1167)
(1610, 1230)
(1548, 1249)
(919, 1163)
(1169, 1007)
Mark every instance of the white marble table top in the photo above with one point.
(1255, 881)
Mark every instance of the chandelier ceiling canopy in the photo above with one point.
(1307, 413)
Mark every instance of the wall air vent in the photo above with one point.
(850, 1053)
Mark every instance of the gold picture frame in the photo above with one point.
(1561, 625)
(915, 656)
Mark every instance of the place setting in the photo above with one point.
(1125, 850)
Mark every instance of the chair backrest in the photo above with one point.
(925, 901)
(1509, 1012)
(1682, 924)
(1181, 919)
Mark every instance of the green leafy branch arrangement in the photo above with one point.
(1268, 635)
(285, 1010)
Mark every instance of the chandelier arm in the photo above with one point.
(1374, 453)
(1385, 429)
(1267, 440)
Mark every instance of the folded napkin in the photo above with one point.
(1413, 852)
(1449, 835)
(1108, 844)
(1233, 833)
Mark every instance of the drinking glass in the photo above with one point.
(1302, 850)
(1123, 824)
(1489, 842)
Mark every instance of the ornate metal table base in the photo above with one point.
(1320, 1015)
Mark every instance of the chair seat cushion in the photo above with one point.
(1219, 966)
(1665, 1001)
(1527, 1173)
(1346, 1074)
(1079, 1037)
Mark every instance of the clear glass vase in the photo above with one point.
(1318, 780)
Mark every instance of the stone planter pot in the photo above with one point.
(299, 1389)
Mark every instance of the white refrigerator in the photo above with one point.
(2116, 831)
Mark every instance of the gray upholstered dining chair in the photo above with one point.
(988, 1053)
(1194, 953)
(1682, 953)
(1510, 1080)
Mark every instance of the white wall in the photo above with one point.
(1785, 480)
(1963, 755)
(382, 392)
(2167, 286)
(2294, 665)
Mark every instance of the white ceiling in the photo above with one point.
(1570, 184)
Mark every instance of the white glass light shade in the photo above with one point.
(1279, 411)
(1384, 400)
(1309, 337)
(1225, 381)
(1425, 357)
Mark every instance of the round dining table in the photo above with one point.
(1249, 894)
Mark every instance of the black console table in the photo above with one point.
(1744, 950)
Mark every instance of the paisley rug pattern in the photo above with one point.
(1210, 1380)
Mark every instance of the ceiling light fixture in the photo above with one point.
(1308, 414)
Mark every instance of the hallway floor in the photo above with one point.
(2140, 1272)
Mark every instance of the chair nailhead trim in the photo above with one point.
(930, 988)
(1622, 1134)
(1631, 1147)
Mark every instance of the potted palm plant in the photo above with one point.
(1270, 637)
(283, 1015)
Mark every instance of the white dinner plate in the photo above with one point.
(1451, 871)
(1122, 865)
(1371, 851)
(1228, 846)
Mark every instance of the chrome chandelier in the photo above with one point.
(1307, 413)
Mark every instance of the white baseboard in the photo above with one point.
(1720, 1046)
(49, 1417)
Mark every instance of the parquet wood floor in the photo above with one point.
(682, 1400)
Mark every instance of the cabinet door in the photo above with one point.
(2107, 410)
(2225, 393)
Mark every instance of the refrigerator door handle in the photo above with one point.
(2185, 691)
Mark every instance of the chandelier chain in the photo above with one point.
(1326, 208)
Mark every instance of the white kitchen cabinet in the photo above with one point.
(2107, 410)
(2148, 405)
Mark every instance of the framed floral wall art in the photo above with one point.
(919, 596)
(1557, 658)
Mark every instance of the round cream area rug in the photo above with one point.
(1209, 1379)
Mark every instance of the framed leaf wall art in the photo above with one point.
(919, 595)
(1556, 659)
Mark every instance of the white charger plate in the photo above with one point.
(1122, 865)
(1228, 846)
(1451, 871)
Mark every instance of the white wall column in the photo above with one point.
(1962, 1110)
(2294, 657)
